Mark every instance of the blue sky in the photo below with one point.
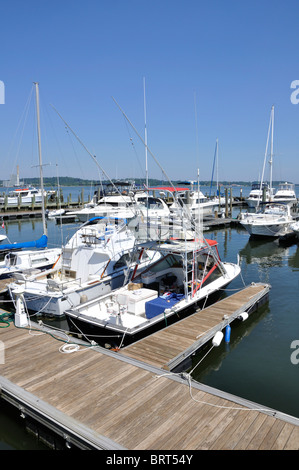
(212, 70)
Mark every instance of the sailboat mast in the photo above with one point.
(271, 151)
(40, 157)
(145, 135)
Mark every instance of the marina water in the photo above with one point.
(256, 364)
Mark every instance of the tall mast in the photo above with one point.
(271, 151)
(145, 134)
(40, 157)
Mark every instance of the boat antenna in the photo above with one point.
(40, 158)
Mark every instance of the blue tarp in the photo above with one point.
(156, 306)
(40, 243)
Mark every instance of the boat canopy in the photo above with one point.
(40, 243)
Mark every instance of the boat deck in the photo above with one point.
(101, 399)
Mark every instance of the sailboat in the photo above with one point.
(262, 191)
(31, 259)
(271, 219)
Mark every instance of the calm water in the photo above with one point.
(256, 364)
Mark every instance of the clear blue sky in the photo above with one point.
(229, 61)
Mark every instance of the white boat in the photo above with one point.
(93, 262)
(55, 213)
(125, 206)
(23, 195)
(29, 261)
(272, 220)
(196, 202)
(186, 274)
(286, 194)
(260, 192)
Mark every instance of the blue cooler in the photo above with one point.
(156, 306)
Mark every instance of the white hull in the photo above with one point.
(274, 221)
(266, 230)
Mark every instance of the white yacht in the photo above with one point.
(260, 192)
(23, 195)
(286, 194)
(272, 220)
(186, 274)
(95, 260)
(125, 206)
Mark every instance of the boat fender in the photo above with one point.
(227, 333)
(217, 338)
(243, 316)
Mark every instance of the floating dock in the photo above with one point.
(100, 399)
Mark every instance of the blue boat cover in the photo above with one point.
(40, 243)
(156, 306)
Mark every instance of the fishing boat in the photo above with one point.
(272, 220)
(95, 260)
(186, 274)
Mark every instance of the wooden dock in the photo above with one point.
(100, 399)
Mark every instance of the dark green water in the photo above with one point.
(256, 364)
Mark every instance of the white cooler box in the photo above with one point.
(136, 299)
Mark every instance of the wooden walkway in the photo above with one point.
(108, 400)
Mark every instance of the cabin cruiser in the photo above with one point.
(125, 206)
(259, 193)
(96, 259)
(286, 194)
(272, 220)
(186, 274)
(24, 196)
